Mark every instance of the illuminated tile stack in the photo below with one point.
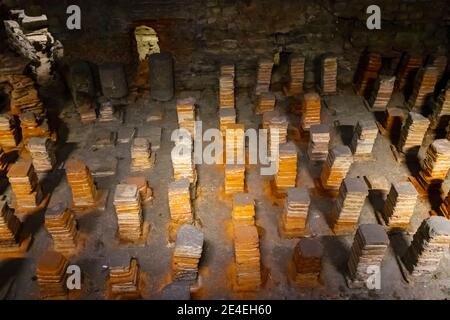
(436, 163)
(33, 126)
(296, 74)
(263, 76)
(235, 143)
(61, 225)
(227, 69)
(408, 67)
(141, 154)
(226, 117)
(186, 115)
(124, 280)
(187, 253)
(81, 183)
(25, 185)
(310, 110)
(145, 191)
(440, 63)
(307, 260)
(234, 178)
(226, 91)
(51, 275)
(243, 209)
(364, 138)
(247, 258)
(441, 106)
(127, 202)
(367, 72)
(183, 162)
(429, 245)
(382, 93)
(399, 206)
(286, 176)
(277, 125)
(336, 167)
(423, 88)
(180, 206)
(348, 205)
(11, 241)
(42, 153)
(265, 102)
(319, 139)
(413, 132)
(368, 250)
(295, 213)
(9, 133)
(329, 75)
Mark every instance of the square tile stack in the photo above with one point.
(235, 143)
(408, 67)
(10, 228)
(33, 126)
(179, 196)
(436, 163)
(286, 176)
(329, 75)
(25, 184)
(124, 278)
(441, 107)
(307, 260)
(382, 93)
(182, 162)
(9, 134)
(247, 258)
(42, 153)
(186, 114)
(336, 167)
(106, 112)
(319, 139)
(51, 275)
(367, 73)
(429, 245)
(87, 114)
(310, 110)
(440, 63)
(127, 202)
(423, 88)
(226, 91)
(141, 182)
(227, 69)
(364, 138)
(348, 205)
(81, 183)
(263, 76)
(265, 102)
(277, 125)
(141, 154)
(234, 178)
(400, 203)
(226, 117)
(295, 213)
(394, 120)
(243, 209)
(61, 225)
(187, 253)
(296, 74)
(368, 250)
(413, 131)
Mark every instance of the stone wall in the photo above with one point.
(203, 33)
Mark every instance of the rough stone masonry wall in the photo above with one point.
(202, 33)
